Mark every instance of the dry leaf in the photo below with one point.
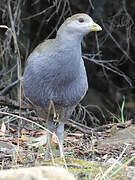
(24, 138)
(54, 139)
(3, 129)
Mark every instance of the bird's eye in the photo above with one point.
(81, 20)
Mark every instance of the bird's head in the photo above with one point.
(78, 25)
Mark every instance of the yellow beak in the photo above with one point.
(95, 27)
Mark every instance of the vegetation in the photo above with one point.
(109, 59)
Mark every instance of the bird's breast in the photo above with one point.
(69, 89)
(60, 77)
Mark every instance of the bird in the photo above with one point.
(55, 74)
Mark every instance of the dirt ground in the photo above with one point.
(108, 146)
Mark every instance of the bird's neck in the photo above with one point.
(70, 40)
(69, 61)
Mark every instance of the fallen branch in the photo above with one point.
(82, 128)
(8, 88)
(12, 103)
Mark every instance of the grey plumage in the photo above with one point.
(56, 72)
(59, 75)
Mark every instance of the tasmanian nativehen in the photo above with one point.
(55, 73)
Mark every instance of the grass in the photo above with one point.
(123, 166)
(122, 118)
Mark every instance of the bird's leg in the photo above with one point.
(50, 127)
(60, 135)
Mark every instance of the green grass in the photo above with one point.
(122, 118)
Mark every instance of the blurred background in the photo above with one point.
(108, 55)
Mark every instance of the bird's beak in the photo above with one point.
(95, 27)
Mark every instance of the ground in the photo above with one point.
(107, 150)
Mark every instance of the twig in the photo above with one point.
(61, 16)
(28, 120)
(114, 164)
(8, 88)
(110, 68)
(19, 70)
(108, 126)
(81, 127)
(4, 100)
(117, 44)
(39, 13)
(15, 40)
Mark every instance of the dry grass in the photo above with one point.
(22, 29)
